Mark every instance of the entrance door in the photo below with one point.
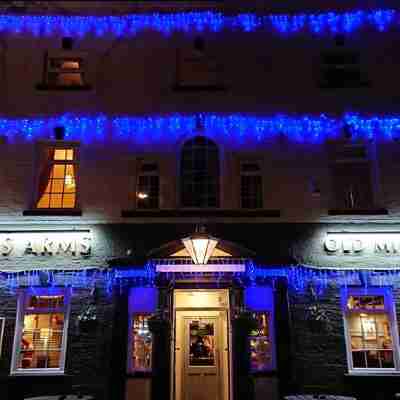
(201, 351)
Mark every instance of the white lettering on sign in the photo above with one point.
(16, 244)
(380, 243)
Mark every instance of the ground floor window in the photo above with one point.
(41, 331)
(259, 300)
(371, 330)
(142, 303)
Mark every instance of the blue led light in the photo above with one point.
(299, 277)
(238, 129)
(166, 23)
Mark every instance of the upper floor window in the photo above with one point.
(57, 183)
(200, 173)
(352, 173)
(147, 185)
(371, 330)
(41, 331)
(251, 189)
(196, 68)
(65, 69)
(341, 67)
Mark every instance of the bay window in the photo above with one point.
(41, 331)
(371, 330)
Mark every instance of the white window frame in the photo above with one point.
(22, 301)
(268, 307)
(141, 173)
(2, 327)
(390, 311)
(260, 173)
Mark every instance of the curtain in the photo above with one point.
(45, 172)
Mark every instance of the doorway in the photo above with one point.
(201, 345)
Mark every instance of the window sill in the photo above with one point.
(176, 213)
(40, 373)
(373, 374)
(56, 88)
(52, 211)
(352, 211)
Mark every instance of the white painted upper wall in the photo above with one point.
(264, 73)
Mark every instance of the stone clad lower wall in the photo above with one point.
(89, 358)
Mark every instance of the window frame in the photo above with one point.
(269, 308)
(42, 146)
(389, 310)
(2, 329)
(341, 155)
(64, 55)
(259, 173)
(219, 180)
(23, 296)
(145, 305)
(140, 173)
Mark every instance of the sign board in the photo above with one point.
(386, 244)
(45, 243)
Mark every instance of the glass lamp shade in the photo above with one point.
(200, 247)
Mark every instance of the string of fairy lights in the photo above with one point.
(237, 128)
(321, 23)
(298, 277)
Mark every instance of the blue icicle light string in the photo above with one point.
(299, 277)
(166, 23)
(235, 128)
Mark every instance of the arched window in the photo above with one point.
(200, 173)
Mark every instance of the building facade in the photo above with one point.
(199, 200)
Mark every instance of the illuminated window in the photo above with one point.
(41, 331)
(251, 190)
(259, 301)
(57, 186)
(141, 344)
(371, 333)
(261, 350)
(200, 173)
(142, 304)
(65, 71)
(148, 186)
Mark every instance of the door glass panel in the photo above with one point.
(202, 343)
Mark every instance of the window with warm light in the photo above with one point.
(261, 350)
(57, 183)
(141, 343)
(371, 330)
(65, 70)
(142, 304)
(41, 331)
(148, 186)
